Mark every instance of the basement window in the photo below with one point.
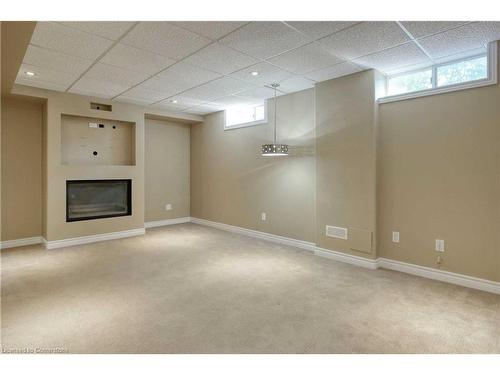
(243, 116)
(473, 71)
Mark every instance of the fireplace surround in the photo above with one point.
(98, 199)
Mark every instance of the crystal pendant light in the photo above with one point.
(274, 149)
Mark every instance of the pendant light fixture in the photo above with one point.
(274, 149)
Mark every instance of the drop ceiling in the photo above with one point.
(203, 67)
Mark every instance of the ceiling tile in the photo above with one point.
(259, 93)
(406, 68)
(107, 29)
(335, 71)
(364, 38)
(169, 106)
(163, 86)
(47, 75)
(217, 89)
(267, 74)
(69, 41)
(404, 55)
(210, 29)
(40, 84)
(165, 39)
(100, 88)
(182, 101)
(142, 94)
(305, 59)
(468, 37)
(296, 83)
(420, 29)
(61, 62)
(461, 55)
(319, 29)
(233, 101)
(185, 75)
(264, 39)
(203, 109)
(115, 74)
(132, 58)
(220, 59)
(131, 100)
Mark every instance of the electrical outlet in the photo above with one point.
(93, 125)
(395, 237)
(263, 216)
(168, 207)
(439, 260)
(440, 245)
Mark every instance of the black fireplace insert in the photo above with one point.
(98, 199)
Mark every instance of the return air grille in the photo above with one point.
(336, 232)
(101, 107)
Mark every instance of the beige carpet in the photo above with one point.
(193, 289)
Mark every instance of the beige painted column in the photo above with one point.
(345, 165)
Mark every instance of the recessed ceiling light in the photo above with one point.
(173, 101)
(30, 74)
(255, 73)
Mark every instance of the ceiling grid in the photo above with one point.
(202, 67)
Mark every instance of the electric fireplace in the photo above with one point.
(97, 199)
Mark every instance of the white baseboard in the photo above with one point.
(161, 223)
(21, 242)
(347, 258)
(446, 276)
(256, 234)
(95, 238)
(430, 273)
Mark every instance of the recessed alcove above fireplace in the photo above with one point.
(97, 199)
(95, 141)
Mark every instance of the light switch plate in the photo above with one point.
(440, 245)
(168, 206)
(395, 237)
(263, 216)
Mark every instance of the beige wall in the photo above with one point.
(439, 177)
(114, 143)
(430, 169)
(57, 173)
(22, 122)
(0, 136)
(345, 165)
(55, 218)
(231, 183)
(44, 171)
(167, 169)
(427, 167)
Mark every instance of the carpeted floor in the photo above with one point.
(193, 289)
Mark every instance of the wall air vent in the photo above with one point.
(336, 232)
(101, 107)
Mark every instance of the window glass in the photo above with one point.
(462, 71)
(244, 114)
(416, 81)
(260, 112)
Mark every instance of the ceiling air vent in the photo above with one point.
(336, 232)
(101, 107)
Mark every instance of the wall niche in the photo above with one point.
(95, 141)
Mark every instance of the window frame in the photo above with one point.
(247, 124)
(491, 79)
